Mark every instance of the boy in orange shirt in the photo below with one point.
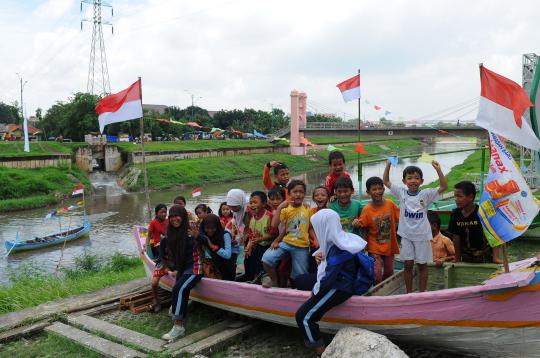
(379, 219)
(442, 246)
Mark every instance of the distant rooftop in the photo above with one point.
(159, 108)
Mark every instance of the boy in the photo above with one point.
(467, 232)
(347, 208)
(414, 227)
(295, 217)
(379, 219)
(442, 247)
(336, 163)
(281, 174)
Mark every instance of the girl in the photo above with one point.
(328, 231)
(183, 255)
(180, 200)
(320, 198)
(201, 211)
(156, 230)
(219, 249)
(225, 214)
(237, 202)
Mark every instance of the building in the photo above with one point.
(16, 132)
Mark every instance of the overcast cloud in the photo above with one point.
(416, 57)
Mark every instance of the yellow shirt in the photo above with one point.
(296, 221)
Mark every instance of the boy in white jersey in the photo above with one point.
(414, 227)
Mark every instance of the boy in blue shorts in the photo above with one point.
(414, 227)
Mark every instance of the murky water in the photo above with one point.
(113, 212)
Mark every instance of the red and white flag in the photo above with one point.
(502, 105)
(78, 190)
(196, 192)
(350, 89)
(121, 106)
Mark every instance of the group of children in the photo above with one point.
(280, 245)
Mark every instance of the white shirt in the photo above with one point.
(413, 207)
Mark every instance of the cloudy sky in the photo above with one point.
(416, 57)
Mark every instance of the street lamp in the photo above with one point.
(192, 101)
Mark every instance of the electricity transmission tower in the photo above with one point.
(98, 73)
(530, 159)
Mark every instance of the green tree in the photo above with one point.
(10, 113)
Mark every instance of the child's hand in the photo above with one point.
(436, 165)
(332, 198)
(439, 263)
(318, 258)
(274, 163)
(275, 244)
(284, 204)
(257, 237)
(356, 223)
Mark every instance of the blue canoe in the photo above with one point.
(50, 240)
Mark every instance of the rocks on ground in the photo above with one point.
(357, 342)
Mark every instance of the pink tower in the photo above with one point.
(298, 120)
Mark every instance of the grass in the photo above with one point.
(30, 287)
(468, 170)
(187, 145)
(32, 188)
(163, 175)
(16, 148)
(46, 345)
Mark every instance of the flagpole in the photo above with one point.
(146, 194)
(359, 165)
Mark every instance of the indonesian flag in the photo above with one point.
(196, 192)
(78, 190)
(502, 105)
(350, 89)
(121, 106)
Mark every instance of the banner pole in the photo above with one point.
(146, 194)
(359, 165)
(505, 258)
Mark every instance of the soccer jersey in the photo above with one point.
(413, 207)
(296, 220)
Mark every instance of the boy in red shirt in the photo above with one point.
(281, 174)
(379, 219)
(336, 163)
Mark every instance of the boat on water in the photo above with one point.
(49, 240)
(469, 308)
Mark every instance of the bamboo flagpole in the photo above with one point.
(359, 165)
(146, 194)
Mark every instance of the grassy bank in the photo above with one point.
(195, 172)
(186, 145)
(377, 150)
(30, 287)
(16, 149)
(33, 188)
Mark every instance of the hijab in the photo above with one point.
(177, 237)
(237, 197)
(212, 220)
(327, 227)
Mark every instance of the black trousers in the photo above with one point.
(180, 294)
(228, 269)
(313, 310)
(252, 264)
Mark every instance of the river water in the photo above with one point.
(113, 212)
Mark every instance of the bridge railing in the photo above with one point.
(330, 125)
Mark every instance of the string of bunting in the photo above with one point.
(213, 130)
(65, 209)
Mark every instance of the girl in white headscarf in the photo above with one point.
(238, 201)
(329, 233)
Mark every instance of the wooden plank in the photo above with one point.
(197, 336)
(98, 309)
(71, 304)
(97, 344)
(23, 331)
(216, 340)
(119, 333)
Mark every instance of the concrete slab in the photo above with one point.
(216, 340)
(97, 344)
(144, 342)
(197, 336)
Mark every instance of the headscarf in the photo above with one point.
(237, 197)
(212, 220)
(176, 238)
(327, 227)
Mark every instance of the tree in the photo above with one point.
(10, 113)
(322, 118)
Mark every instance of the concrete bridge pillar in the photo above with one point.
(298, 119)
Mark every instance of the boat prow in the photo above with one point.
(470, 308)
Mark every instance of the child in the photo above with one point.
(467, 232)
(326, 295)
(295, 218)
(219, 249)
(258, 236)
(442, 247)
(379, 219)
(414, 227)
(348, 209)
(276, 196)
(156, 230)
(238, 202)
(201, 211)
(320, 198)
(281, 174)
(183, 255)
(336, 163)
(225, 214)
(180, 200)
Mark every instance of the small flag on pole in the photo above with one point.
(330, 148)
(78, 191)
(393, 160)
(360, 149)
(377, 107)
(196, 192)
(350, 89)
(425, 158)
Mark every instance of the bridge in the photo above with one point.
(344, 129)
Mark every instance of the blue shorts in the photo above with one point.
(299, 258)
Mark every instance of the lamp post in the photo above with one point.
(22, 87)
(192, 102)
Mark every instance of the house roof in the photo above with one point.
(15, 127)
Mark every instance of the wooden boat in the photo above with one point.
(469, 308)
(49, 240)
